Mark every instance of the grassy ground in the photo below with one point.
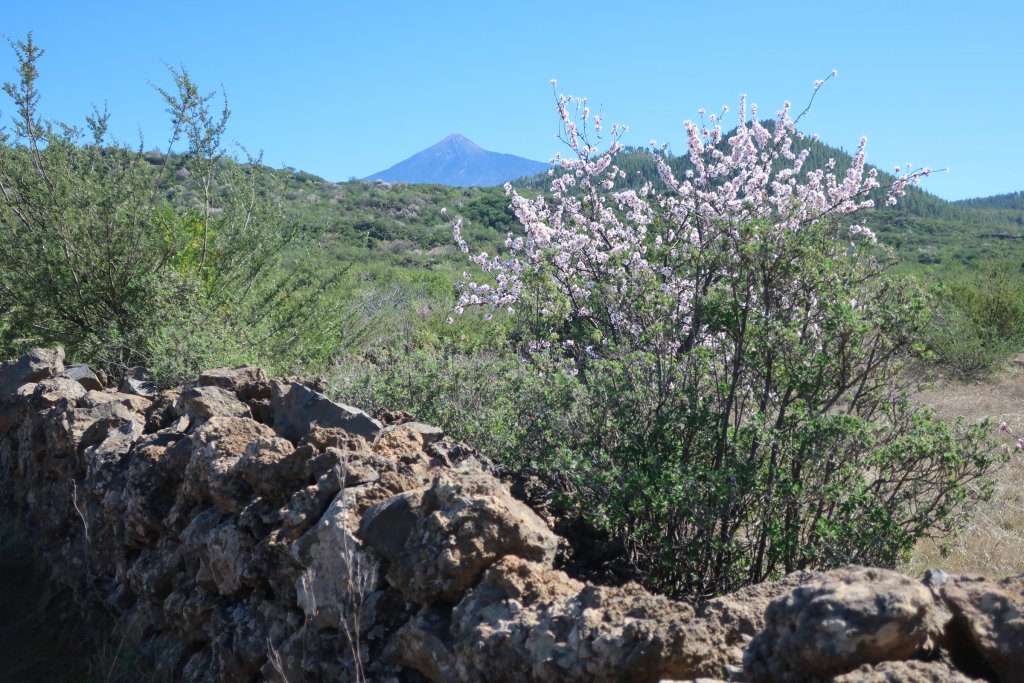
(993, 541)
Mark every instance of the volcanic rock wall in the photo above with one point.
(242, 528)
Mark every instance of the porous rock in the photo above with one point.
(440, 539)
(526, 621)
(909, 671)
(246, 381)
(212, 474)
(205, 402)
(50, 392)
(987, 629)
(132, 402)
(841, 620)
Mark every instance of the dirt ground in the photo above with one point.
(993, 541)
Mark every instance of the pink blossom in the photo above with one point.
(626, 258)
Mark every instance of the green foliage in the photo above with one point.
(805, 455)
(979, 319)
(491, 400)
(97, 259)
(788, 446)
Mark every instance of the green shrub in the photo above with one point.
(962, 348)
(96, 259)
(736, 349)
(979, 319)
(493, 401)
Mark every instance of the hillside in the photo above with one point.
(406, 223)
(406, 220)
(1013, 201)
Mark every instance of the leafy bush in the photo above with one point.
(962, 348)
(991, 295)
(737, 348)
(493, 401)
(979, 321)
(97, 260)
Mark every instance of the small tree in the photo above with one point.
(740, 351)
(98, 259)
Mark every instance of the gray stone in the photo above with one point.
(34, 366)
(298, 409)
(84, 375)
(138, 381)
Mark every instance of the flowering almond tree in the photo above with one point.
(738, 349)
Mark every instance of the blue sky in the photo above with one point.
(344, 89)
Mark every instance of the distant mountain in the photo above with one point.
(1012, 201)
(456, 160)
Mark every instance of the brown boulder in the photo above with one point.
(50, 392)
(525, 621)
(273, 467)
(910, 671)
(246, 381)
(134, 402)
(203, 403)
(212, 474)
(986, 635)
(841, 620)
(440, 539)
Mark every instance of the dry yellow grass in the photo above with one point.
(992, 543)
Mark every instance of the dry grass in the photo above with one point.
(992, 543)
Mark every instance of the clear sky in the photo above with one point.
(345, 89)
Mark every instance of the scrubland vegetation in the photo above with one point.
(696, 354)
